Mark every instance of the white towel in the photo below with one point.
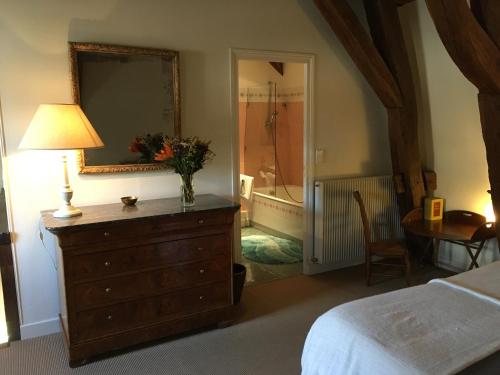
(246, 185)
(439, 328)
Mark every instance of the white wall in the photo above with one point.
(34, 68)
(450, 129)
(257, 73)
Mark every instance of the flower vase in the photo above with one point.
(187, 190)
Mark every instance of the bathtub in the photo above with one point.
(275, 210)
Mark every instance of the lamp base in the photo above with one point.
(67, 211)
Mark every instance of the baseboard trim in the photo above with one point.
(315, 268)
(41, 328)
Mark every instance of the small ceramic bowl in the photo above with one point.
(129, 200)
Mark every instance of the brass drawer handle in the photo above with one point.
(201, 221)
(107, 290)
(107, 264)
(202, 271)
(200, 248)
(106, 234)
(201, 297)
(109, 317)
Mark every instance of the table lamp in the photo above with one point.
(61, 127)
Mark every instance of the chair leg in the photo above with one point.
(408, 269)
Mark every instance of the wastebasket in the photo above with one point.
(239, 274)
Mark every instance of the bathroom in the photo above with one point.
(271, 146)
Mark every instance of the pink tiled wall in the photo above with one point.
(257, 150)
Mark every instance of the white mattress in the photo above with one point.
(439, 328)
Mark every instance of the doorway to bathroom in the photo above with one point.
(272, 153)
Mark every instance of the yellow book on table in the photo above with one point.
(433, 208)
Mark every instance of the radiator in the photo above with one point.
(338, 229)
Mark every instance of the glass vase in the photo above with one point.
(187, 190)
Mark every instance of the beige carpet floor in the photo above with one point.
(273, 321)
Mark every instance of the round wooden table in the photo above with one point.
(464, 228)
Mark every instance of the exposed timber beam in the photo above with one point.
(358, 44)
(468, 44)
(384, 63)
(403, 2)
(387, 35)
(487, 12)
(472, 39)
(278, 66)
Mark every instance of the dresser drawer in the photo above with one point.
(131, 275)
(99, 322)
(196, 220)
(152, 226)
(139, 285)
(109, 263)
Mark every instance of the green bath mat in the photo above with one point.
(270, 249)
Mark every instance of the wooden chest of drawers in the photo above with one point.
(128, 275)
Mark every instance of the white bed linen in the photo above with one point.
(438, 328)
(485, 280)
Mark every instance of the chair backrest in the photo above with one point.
(364, 218)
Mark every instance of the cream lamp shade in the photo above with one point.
(61, 127)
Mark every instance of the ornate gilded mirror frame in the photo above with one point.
(76, 49)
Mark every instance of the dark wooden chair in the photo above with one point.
(388, 253)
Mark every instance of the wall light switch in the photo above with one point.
(320, 156)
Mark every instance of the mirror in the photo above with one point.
(126, 92)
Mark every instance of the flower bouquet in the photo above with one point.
(186, 156)
(147, 146)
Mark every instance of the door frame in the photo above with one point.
(236, 54)
(8, 259)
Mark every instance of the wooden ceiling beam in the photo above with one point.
(358, 44)
(471, 37)
(278, 66)
(403, 2)
(487, 13)
(384, 63)
(387, 34)
(468, 44)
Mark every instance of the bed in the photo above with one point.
(443, 327)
